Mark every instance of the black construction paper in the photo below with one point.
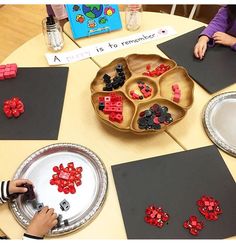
(42, 91)
(175, 182)
(215, 72)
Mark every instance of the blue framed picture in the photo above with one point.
(91, 19)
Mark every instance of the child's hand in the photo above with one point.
(14, 186)
(42, 222)
(224, 39)
(201, 47)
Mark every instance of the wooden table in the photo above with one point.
(79, 124)
(189, 132)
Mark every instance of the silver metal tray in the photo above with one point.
(219, 120)
(85, 204)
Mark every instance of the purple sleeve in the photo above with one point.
(49, 10)
(218, 23)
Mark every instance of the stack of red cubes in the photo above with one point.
(156, 216)
(8, 71)
(193, 225)
(66, 178)
(159, 70)
(209, 207)
(13, 107)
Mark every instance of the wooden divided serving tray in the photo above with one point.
(135, 66)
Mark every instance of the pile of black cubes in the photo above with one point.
(118, 80)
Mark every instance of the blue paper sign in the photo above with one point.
(91, 19)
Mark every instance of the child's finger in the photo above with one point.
(50, 211)
(54, 222)
(196, 51)
(44, 210)
(23, 181)
(204, 50)
(21, 190)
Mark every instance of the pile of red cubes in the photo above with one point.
(8, 71)
(112, 104)
(66, 178)
(156, 216)
(159, 70)
(209, 207)
(193, 225)
(13, 107)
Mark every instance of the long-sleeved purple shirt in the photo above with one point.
(220, 23)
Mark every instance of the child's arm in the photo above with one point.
(218, 23)
(11, 187)
(4, 194)
(41, 223)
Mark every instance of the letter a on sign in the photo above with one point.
(56, 58)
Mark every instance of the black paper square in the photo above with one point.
(42, 91)
(215, 72)
(175, 182)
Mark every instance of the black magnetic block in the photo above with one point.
(66, 222)
(42, 91)
(39, 206)
(175, 182)
(64, 205)
(215, 72)
(29, 195)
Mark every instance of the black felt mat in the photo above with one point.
(175, 182)
(42, 91)
(215, 72)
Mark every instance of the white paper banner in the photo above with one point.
(105, 47)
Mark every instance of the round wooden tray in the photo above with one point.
(134, 66)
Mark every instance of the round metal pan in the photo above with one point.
(219, 120)
(84, 204)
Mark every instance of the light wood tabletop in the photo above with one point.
(189, 132)
(79, 123)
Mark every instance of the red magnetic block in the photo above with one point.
(64, 175)
(7, 69)
(119, 109)
(6, 74)
(112, 116)
(71, 165)
(13, 65)
(177, 91)
(119, 98)
(12, 74)
(176, 98)
(148, 67)
(100, 99)
(107, 110)
(2, 67)
(107, 98)
(119, 118)
(1, 76)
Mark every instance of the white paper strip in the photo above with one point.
(105, 47)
